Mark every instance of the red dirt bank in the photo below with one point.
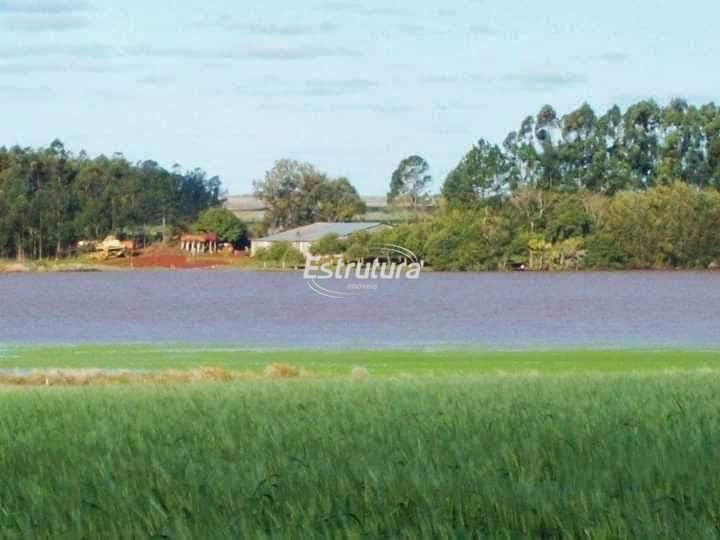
(165, 257)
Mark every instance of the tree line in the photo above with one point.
(664, 227)
(632, 189)
(51, 198)
(643, 147)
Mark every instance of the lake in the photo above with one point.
(438, 310)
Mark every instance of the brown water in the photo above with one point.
(254, 309)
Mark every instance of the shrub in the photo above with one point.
(602, 251)
(330, 244)
(281, 253)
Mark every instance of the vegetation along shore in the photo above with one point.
(632, 189)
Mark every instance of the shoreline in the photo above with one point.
(79, 266)
(381, 363)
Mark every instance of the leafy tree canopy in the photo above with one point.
(50, 198)
(410, 181)
(298, 194)
(482, 173)
(224, 223)
(645, 146)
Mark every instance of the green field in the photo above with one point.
(600, 456)
(556, 444)
(329, 363)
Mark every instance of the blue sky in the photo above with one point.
(352, 87)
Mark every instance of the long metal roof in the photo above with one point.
(310, 233)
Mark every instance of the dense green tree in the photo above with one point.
(410, 181)
(298, 194)
(283, 191)
(227, 226)
(567, 218)
(468, 240)
(337, 200)
(411, 236)
(482, 173)
(667, 226)
(50, 198)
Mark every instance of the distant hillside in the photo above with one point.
(251, 209)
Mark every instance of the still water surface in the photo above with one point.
(255, 309)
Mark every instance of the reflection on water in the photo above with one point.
(253, 309)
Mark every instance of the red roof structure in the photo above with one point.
(199, 243)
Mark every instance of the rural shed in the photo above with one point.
(199, 243)
(303, 237)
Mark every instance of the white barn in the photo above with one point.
(303, 237)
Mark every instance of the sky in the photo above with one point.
(350, 86)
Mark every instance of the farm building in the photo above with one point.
(199, 243)
(303, 237)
